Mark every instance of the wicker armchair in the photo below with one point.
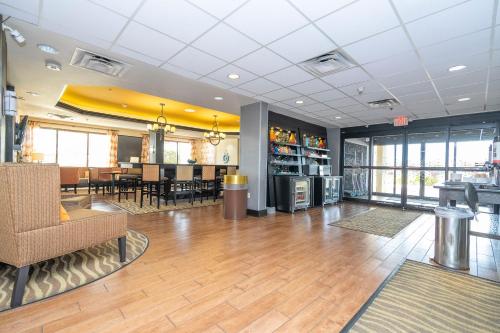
(30, 226)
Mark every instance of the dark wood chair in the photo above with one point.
(151, 184)
(207, 183)
(184, 182)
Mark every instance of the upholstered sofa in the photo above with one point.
(70, 176)
(31, 229)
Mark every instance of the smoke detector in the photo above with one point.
(327, 64)
(98, 63)
(384, 103)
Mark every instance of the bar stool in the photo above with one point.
(202, 185)
(152, 181)
(185, 181)
(96, 179)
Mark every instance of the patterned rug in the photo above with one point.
(134, 208)
(425, 298)
(379, 221)
(55, 276)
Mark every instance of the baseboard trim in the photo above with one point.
(257, 213)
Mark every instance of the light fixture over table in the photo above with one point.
(161, 123)
(215, 136)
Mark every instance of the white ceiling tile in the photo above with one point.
(22, 10)
(265, 99)
(157, 45)
(135, 55)
(265, 20)
(290, 76)
(494, 88)
(222, 75)
(475, 88)
(124, 7)
(429, 106)
(359, 20)
(327, 95)
(347, 77)
(319, 8)
(282, 94)
(219, 8)
(337, 103)
(310, 87)
(412, 89)
(495, 61)
(314, 107)
(495, 73)
(380, 46)
(474, 63)
(226, 43)
(282, 105)
(457, 49)
(405, 78)
(376, 96)
(306, 101)
(196, 61)
(180, 71)
(496, 42)
(459, 20)
(350, 109)
(367, 87)
(418, 97)
(452, 103)
(302, 45)
(262, 62)
(461, 79)
(243, 92)
(259, 86)
(396, 64)
(213, 82)
(410, 10)
(72, 18)
(175, 18)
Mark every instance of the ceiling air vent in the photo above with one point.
(98, 63)
(327, 64)
(384, 103)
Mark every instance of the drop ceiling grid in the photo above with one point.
(431, 11)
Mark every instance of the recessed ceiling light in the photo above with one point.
(338, 117)
(233, 76)
(189, 110)
(218, 98)
(457, 68)
(464, 99)
(33, 93)
(48, 49)
(53, 66)
(124, 105)
(299, 102)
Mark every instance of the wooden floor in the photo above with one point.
(283, 273)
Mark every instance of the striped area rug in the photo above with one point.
(379, 221)
(55, 276)
(425, 298)
(134, 208)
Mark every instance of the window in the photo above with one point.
(170, 152)
(469, 148)
(45, 142)
(184, 152)
(98, 150)
(71, 148)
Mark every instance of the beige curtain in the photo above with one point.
(113, 148)
(145, 148)
(27, 148)
(203, 151)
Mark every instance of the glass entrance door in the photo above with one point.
(387, 166)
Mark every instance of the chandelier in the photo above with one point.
(214, 136)
(161, 123)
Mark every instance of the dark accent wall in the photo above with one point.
(285, 122)
(128, 146)
(3, 86)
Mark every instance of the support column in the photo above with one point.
(253, 154)
(156, 146)
(333, 140)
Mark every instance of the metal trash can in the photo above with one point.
(235, 197)
(451, 247)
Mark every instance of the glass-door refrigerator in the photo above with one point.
(327, 190)
(293, 192)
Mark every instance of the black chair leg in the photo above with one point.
(19, 286)
(142, 194)
(122, 248)
(158, 193)
(75, 189)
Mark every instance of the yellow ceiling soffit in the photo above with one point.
(112, 101)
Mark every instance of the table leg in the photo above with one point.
(453, 203)
(496, 209)
(113, 185)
